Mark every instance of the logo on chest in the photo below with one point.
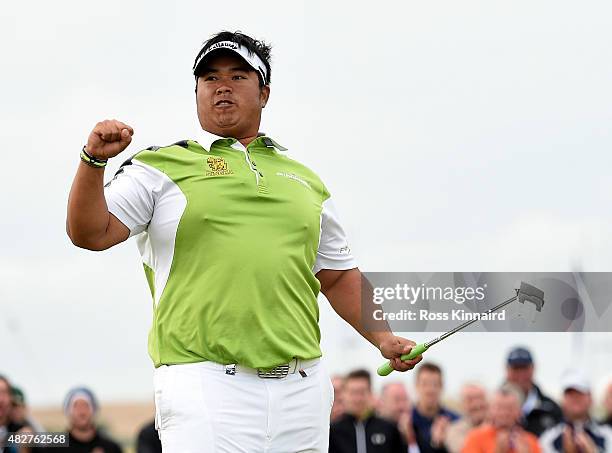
(217, 166)
(293, 177)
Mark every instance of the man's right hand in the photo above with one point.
(108, 139)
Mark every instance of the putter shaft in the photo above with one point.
(467, 323)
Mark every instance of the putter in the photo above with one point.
(526, 293)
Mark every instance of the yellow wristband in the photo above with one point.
(92, 161)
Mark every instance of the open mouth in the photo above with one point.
(224, 102)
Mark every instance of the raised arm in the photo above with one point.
(89, 224)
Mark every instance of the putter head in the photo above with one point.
(531, 294)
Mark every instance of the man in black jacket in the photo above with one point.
(359, 430)
(148, 439)
(80, 407)
(6, 425)
(539, 411)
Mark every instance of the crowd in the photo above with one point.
(80, 409)
(516, 418)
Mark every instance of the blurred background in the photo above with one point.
(454, 136)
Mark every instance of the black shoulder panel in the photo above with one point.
(182, 143)
(124, 164)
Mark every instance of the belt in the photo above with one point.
(278, 372)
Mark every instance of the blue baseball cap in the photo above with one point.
(519, 357)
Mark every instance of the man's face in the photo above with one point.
(229, 98)
(521, 376)
(394, 402)
(18, 413)
(505, 410)
(576, 405)
(338, 406)
(429, 387)
(81, 415)
(608, 400)
(474, 401)
(5, 401)
(357, 396)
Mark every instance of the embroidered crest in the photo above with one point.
(217, 166)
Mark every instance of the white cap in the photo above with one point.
(251, 58)
(576, 380)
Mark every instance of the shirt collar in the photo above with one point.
(206, 139)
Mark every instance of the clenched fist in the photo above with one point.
(108, 139)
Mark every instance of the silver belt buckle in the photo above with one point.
(278, 372)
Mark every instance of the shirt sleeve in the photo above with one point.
(333, 252)
(130, 195)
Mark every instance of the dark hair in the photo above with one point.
(360, 374)
(428, 366)
(260, 48)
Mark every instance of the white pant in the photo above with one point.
(201, 409)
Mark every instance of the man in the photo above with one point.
(539, 412)
(359, 430)
(19, 412)
(337, 409)
(237, 240)
(394, 406)
(577, 432)
(148, 440)
(6, 424)
(429, 418)
(475, 406)
(608, 406)
(503, 434)
(80, 408)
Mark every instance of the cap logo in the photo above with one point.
(223, 45)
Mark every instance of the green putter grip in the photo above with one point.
(385, 369)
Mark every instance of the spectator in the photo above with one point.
(577, 432)
(608, 406)
(6, 424)
(539, 411)
(80, 407)
(394, 406)
(503, 434)
(475, 406)
(359, 430)
(430, 419)
(148, 440)
(337, 409)
(19, 411)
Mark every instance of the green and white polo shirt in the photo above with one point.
(231, 239)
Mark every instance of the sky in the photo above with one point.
(453, 136)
